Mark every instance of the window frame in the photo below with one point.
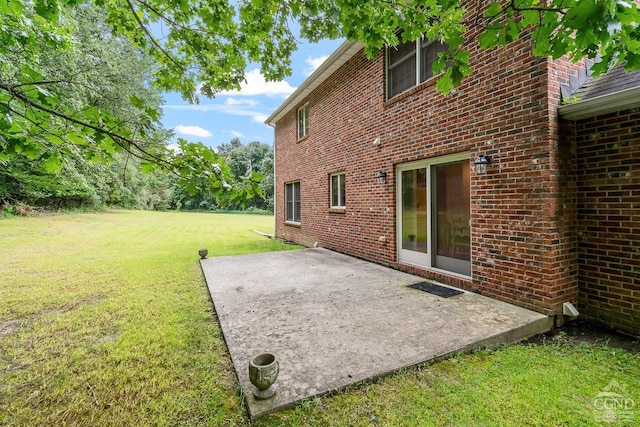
(302, 122)
(416, 56)
(291, 211)
(428, 259)
(341, 190)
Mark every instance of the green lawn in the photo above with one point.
(105, 320)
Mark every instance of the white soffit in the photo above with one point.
(337, 59)
(609, 103)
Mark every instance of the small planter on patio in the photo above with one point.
(263, 372)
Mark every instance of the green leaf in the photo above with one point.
(52, 162)
(489, 38)
(11, 8)
(78, 139)
(92, 114)
(493, 10)
(137, 102)
(583, 14)
(33, 75)
(147, 167)
(48, 9)
(529, 18)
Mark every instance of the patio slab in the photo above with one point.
(334, 320)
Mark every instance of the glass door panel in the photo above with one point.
(451, 201)
(414, 210)
(413, 222)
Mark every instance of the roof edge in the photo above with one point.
(341, 55)
(603, 104)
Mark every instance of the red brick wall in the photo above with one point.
(522, 211)
(608, 171)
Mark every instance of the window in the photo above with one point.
(337, 190)
(292, 202)
(303, 121)
(410, 64)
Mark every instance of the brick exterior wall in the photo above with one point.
(523, 235)
(608, 176)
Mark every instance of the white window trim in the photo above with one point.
(426, 163)
(417, 52)
(292, 221)
(338, 174)
(304, 130)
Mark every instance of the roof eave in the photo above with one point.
(617, 101)
(341, 55)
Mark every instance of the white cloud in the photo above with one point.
(236, 110)
(236, 134)
(314, 63)
(196, 107)
(235, 101)
(255, 84)
(192, 131)
(260, 118)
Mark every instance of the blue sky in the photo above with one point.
(242, 114)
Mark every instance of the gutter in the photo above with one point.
(341, 55)
(609, 103)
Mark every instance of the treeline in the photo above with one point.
(83, 184)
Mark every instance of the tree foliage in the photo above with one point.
(251, 163)
(49, 160)
(74, 83)
(245, 160)
(203, 47)
(84, 184)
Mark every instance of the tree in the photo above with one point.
(203, 46)
(99, 72)
(255, 157)
(244, 161)
(70, 85)
(604, 29)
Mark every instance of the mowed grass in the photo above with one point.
(105, 319)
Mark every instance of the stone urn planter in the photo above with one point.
(263, 372)
(203, 253)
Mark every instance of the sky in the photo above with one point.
(241, 114)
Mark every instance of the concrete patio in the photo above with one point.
(333, 320)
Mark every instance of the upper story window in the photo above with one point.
(410, 64)
(303, 121)
(337, 191)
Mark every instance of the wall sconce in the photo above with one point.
(382, 177)
(481, 163)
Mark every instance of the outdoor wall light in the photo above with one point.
(382, 177)
(481, 163)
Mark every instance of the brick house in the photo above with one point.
(604, 128)
(371, 161)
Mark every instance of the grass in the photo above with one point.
(522, 385)
(105, 320)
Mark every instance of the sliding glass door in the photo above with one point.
(433, 200)
(451, 203)
(414, 235)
